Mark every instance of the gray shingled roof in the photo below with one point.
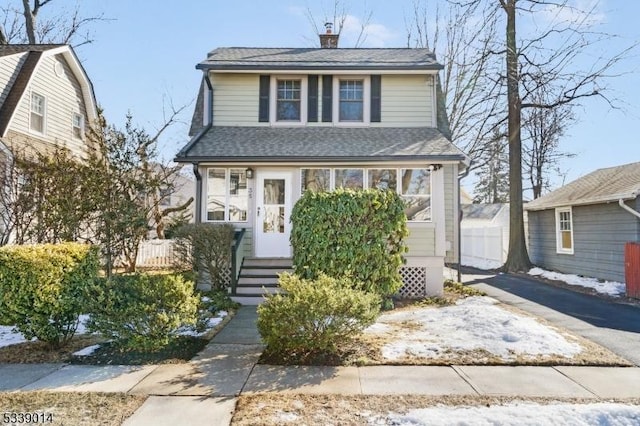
(250, 58)
(600, 186)
(336, 144)
(12, 49)
(481, 211)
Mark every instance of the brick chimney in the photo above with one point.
(329, 40)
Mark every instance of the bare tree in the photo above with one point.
(337, 16)
(493, 172)
(542, 130)
(25, 24)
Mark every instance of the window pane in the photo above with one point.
(273, 222)
(238, 195)
(215, 207)
(417, 208)
(315, 179)
(216, 182)
(566, 240)
(37, 122)
(383, 179)
(416, 182)
(273, 191)
(349, 178)
(351, 100)
(37, 113)
(288, 103)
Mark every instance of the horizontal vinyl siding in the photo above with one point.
(235, 99)
(407, 100)
(9, 66)
(421, 240)
(599, 234)
(63, 97)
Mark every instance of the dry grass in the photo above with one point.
(38, 352)
(277, 409)
(73, 409)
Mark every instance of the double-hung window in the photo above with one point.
(38, 107)
(564, 230)
(289, 100)
(351, 100)
(78, 125)
(227, 195)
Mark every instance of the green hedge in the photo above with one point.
(351, 233)
(141, 311)
(314, 316)
(42, 287)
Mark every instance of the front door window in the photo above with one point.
(274, 206)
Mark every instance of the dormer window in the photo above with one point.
(288, 102)
(351, 100)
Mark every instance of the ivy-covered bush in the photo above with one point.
(351, 233)
(206, 248)
(314, 316)
(141, 311)
(42, 287)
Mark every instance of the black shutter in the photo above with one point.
(327, 98)
(312, 99)
(263, 108)
(376, 88)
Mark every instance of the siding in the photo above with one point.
(421, 240)
(63, 97)
(407, 100)
(9, 67)
(235, 99)
(599, 234)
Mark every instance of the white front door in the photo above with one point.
(273, 208)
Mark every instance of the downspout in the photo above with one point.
(196, 170)
(629, 209)
(460, 177)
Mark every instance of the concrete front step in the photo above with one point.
(258, 281)
(278, 262)
(262, 272)
(255, 290)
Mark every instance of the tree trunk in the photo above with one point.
(30, 22)
(517, 258)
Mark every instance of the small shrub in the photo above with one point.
(141, 311)
(351, 233)
(314, 316)
(218, 300)
(461, 289)
(205, 248)
(41, 288)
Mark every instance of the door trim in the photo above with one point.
(263, 245)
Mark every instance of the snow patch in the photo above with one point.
(486, 264)
(473, 323)
(89, 350)
(611, 288)
(516, 414)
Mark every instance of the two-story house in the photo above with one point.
(46, 98)
(272, 123)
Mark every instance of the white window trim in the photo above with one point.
(273, 100)
(366, 101)
(227, 196)
(73, 126)
(332, 183)
(559, 248)
(44, 114)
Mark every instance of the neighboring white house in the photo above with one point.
(485, 235)
(272, 123)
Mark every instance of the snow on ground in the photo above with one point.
(486, 264)
(610, 288)
(10, 337)
(518, 413)
(473, 323)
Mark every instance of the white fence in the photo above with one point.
(484, 247)
(155, 254)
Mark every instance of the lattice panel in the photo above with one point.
(415, 281)
(227, 277)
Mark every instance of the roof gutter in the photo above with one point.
(627, 208)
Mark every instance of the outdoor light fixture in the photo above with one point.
(249, 173)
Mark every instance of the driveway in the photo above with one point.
(611, 324)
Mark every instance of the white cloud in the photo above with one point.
(373, 34)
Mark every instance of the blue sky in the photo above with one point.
(147, 54)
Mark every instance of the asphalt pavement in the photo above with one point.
(614, 324)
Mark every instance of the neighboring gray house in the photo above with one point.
(582, 227)
(271, 123)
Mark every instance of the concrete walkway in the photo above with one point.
(205, 390)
